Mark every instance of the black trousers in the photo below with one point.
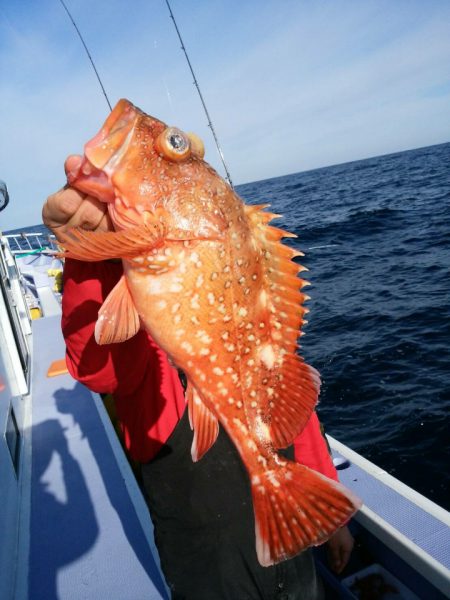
(204, 527)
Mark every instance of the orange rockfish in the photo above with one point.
(212, 283)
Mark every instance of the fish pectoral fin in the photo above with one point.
(203, 422)
(103, 245)
(295, 508)
(118, 319)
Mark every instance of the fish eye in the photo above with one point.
(173, 144)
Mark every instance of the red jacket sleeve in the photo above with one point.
(148, 395)
(311, 449)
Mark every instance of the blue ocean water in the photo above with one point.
(376, 237)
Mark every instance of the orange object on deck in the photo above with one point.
(58, 367)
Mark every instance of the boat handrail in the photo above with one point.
(21, 243)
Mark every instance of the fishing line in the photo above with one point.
(87, 52)
(210, 125)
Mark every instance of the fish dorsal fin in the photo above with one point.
(291, 385)
(203, 422)
(118, 319)
(95, 245)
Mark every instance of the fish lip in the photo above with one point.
(106, 148)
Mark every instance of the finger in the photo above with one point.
(72, 166)
(91, 215)
(61, 206)
(344, 558)
(334, 557)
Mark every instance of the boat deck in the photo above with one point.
(406, 522)
(89, 526)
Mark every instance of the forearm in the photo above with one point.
(107, 368)
(312, 451)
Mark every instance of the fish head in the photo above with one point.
(136, 163)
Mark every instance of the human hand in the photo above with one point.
(339, 549)
(69, 208)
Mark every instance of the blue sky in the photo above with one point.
(290, 85)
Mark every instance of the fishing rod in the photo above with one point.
(183, 47)
(87, 52)
(210, 125)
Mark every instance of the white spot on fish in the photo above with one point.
(194, 302)
(211, 298)
(186, 346)
(263, 297)
(273, 479)
(176, 287)
(262, 430)
(242, 312)
(199, 281)
(267, 355)
(162, 304)
(217, 371)
(175, 307)
(204, 351)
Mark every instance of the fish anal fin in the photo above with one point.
(292, 405)
(296, 508)
(118, 319)
(203, 422)
(103, 245)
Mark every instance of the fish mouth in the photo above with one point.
(113, 138)
(92, 173)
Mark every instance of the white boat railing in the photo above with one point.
(22, 243)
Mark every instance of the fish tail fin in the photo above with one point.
(295, 508)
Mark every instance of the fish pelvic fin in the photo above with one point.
(94, 246)
(296, 508)
(118, 319)
(203, 422)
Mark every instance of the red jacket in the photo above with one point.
(148, 395)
